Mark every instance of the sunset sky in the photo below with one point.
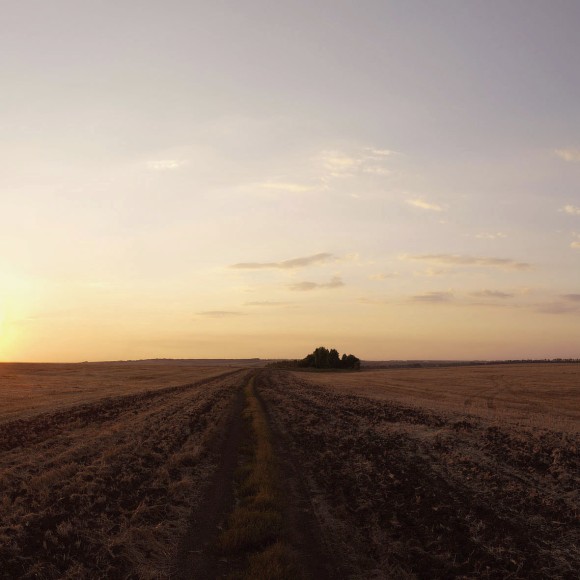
(397, 179)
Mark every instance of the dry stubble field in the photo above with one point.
(152, 471)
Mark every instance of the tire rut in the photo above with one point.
(196, 557)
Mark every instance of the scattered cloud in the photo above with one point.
(374, 301)
(368, 160)
(568, 154)
(285, 264)
(433, 297)
(384, 276)
(571, 209)
(432, 272)
(267, 303)
(380, 152)
(571, 297)
(335, 282)
(166, 164)
(575, 245)
(339, 164)
(491, 235)
(422, 204)
(286, 186)
(220, 313)
(492, 294)
(377, 170)
(460, 260)
(557, 308)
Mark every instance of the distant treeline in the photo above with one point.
(462, 363)
(322, 358)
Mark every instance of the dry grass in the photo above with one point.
(30, 388)
(532, 394)
(422, 490)
(255, 527)
(106, 489)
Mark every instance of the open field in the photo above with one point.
(542, 394)
(169, 471)
(26, 389)
(410, 482)
(105, 489)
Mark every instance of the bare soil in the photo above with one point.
(432, 473)
(408, 492)
(197, 557)
(106, 489)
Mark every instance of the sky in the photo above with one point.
(396, 179)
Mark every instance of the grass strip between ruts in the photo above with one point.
(255, 527)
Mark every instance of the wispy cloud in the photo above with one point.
(380, 152)
(576, 243)
(384, 276)
(432, 272)
(558, 308)
(286, 186)
(490, 235)
(369, 160)
(571, 209)
(568, 154)
(267, 303)
(220, 313)
(460, 260)
(571, 297)
(340, 164)
(285, 264)
(374, 170)
(492, 294)
(422, 204)
(433, 297)
(166, 164)
(335, 282)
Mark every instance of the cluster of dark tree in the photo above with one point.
(322, 358)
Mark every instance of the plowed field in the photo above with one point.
(105, 489)
(411, 490)
(270, 474)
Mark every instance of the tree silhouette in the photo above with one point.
(322, 358)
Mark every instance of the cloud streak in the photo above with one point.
(335, 282)
(571, 297)
(286, 186)
(571, 209)
(285, 264)
(492, 294)
(472, 261)
(490, 235)
(166, 164)
(433, 297)
(219, 313)
(568, 154)
(558, 308)
(383, 276)
(267, 303)
(425, 205)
